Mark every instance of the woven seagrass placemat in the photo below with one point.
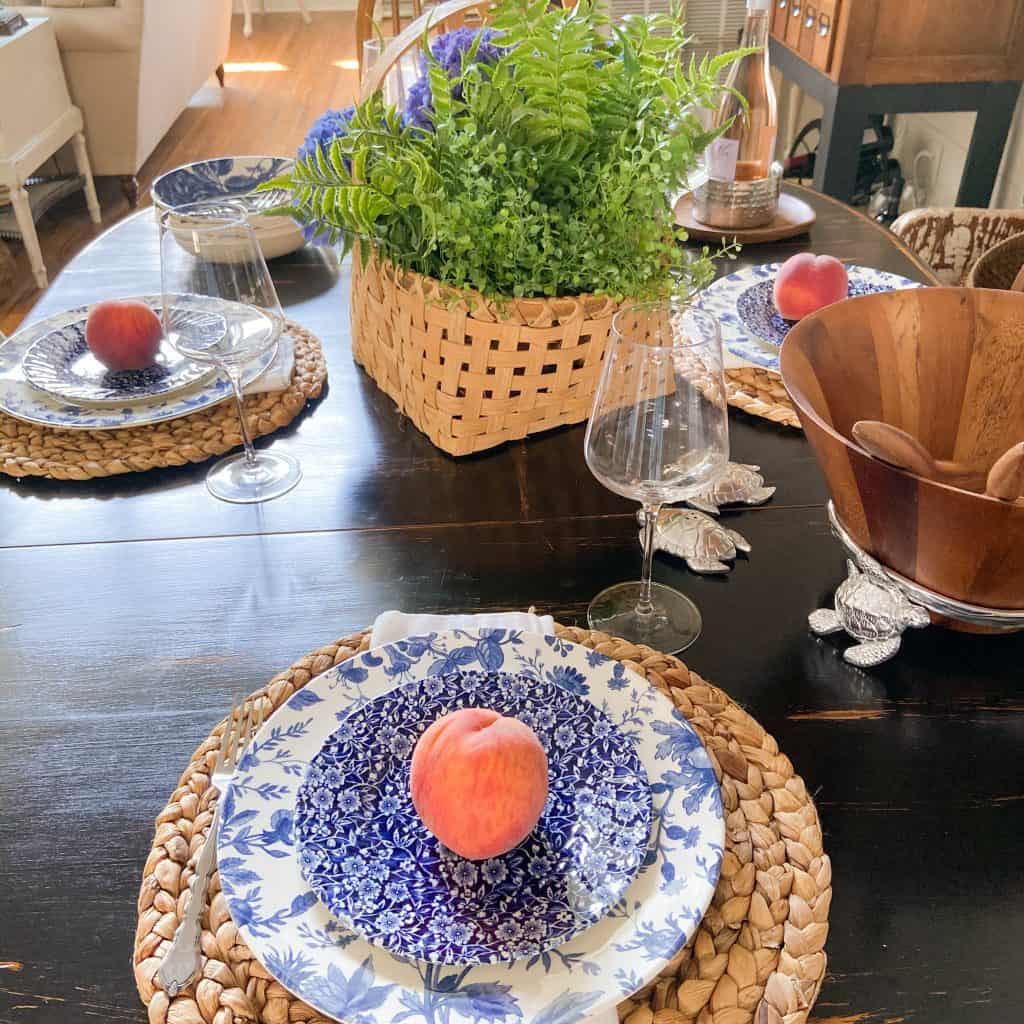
(29, 449)
(760, 393)
(758, 955)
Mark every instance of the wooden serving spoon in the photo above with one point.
(1006, 477)
(903, 450)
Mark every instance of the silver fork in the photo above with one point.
(182, 961)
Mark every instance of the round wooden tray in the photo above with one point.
(29, 449)
(757, 956)
(794, 218)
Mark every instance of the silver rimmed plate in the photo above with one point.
(316, 957)
(21, 400)
(61, 364)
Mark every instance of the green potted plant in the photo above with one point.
(503, 216)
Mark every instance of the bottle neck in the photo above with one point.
(755, 31)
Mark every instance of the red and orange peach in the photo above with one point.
(479, 781)
(123, 334)
(805, 283)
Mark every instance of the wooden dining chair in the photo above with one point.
(951, 239)
(391, 24)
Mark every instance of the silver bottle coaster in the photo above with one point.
(704, 544)
(737, 484)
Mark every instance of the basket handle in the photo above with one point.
(411, 35)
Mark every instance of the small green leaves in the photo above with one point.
(548, 173)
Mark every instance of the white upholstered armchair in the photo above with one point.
(132, 66)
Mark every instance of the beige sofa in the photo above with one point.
(132, 66)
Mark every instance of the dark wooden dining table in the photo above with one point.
(133, 608)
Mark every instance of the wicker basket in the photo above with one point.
(999, 267)
(471, 373)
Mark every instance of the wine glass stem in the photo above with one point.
(236, 388)
(645, 606)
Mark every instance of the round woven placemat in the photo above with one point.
(29, 449)
(758, 955)
(760, 393)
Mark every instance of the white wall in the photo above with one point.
(945, 136)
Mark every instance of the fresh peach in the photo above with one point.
(123, 334)
(806, 283)
(479, 781)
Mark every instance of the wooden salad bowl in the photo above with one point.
(946, 365)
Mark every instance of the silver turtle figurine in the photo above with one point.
(737, 484)
(702, 543)
(873, 611)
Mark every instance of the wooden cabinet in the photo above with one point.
(875, 42)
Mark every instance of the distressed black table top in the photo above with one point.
(132, 608)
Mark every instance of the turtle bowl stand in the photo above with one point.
(875, 605)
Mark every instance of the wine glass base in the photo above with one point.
(269, 476)
(673, 625)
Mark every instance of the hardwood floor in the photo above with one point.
(258, 111)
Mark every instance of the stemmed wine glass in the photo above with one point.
(659, 432)
(211, 267)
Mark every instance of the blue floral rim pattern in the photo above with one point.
(370, 859)
(322, 962)
(752, 329)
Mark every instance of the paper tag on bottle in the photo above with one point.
(722, 154)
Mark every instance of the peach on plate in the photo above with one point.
(123, 334)
(806, 283)
(479, 781)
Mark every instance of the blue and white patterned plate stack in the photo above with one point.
(752, 329)
(345, 898)
(48, 377)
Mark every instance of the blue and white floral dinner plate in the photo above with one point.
(330, 967)
(21, 400)
(752, 330)
(370, 859)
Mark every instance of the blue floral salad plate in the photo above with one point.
(752, 329)
(313, 954)
(61, 364)
(367, 855)
(24, 401)
(235, 178)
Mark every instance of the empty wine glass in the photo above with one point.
(659, 432)
(211, 266)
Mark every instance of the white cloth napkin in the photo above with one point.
(391, 626)
(278, 375)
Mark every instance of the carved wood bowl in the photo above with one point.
(946, 365)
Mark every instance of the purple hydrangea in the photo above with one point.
(448, 50)
(326, 128)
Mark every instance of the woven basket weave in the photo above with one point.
(471, 373)
(999, 267)
(757, 958)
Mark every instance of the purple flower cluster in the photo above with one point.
(448, 50)
(326, 128)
